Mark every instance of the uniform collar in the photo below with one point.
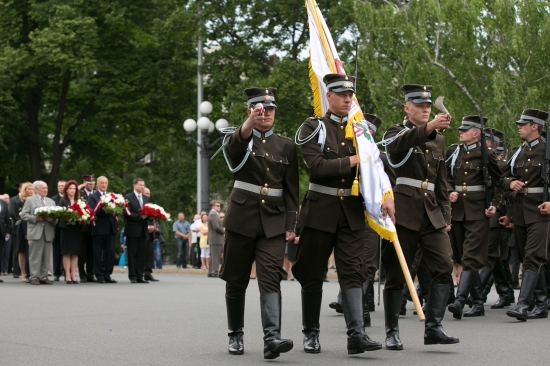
(335, 118)
(263, 135)
(470, 147)
(533, 143)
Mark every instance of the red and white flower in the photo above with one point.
(153, 211)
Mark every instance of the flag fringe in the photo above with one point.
(380, 230)
(317, 105)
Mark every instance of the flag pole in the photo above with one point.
(408, 279)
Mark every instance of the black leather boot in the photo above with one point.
(235, 323)
(392, 307)
(477, 295)
(311, 310)
(358, 340)
(488, 287)
(366, 314)
(451, 298)
(337, 305)
(274, 345)
(541, 306)
(424, 281)
(501, 284)
(371, 296)
(508, 273)
(435, 311)
(528, 284)
(406, 295)
(466, 281)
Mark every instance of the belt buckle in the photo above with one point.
(264, 191)
(341, 192)
(525, 190)
(464, 189)
(424, 185)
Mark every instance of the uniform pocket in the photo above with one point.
(238, 197)
(312, 196)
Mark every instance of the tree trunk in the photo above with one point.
(31, 109)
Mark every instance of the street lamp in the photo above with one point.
(206, 127)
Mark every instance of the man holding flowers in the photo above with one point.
(38, 211)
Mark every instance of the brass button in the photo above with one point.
(253, 152)
(280, 161)
(466, 162)
(528, 159)
(341, 127)
(529, 149)
(263, 141)
(328, 148)
(467, 153)
(343, 144)
(263, 201)
(265, 185)
(341, 198)
(427, 151)
(526, 170)
(267, 169)
(343, 180)
(466, 173)
(427, 180)
(428, 165)
(464, 183)
(425, 194)
(266, 154)
(525, 182)
(414, 150)
(463, 194)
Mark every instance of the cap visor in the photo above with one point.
(420, 101)
(339, 90)
(464, 128)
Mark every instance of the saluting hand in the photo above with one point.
(453, 197)
(388, 208)
(545, 208)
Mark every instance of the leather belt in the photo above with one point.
(262, 191)
(532, 190)
(340, 192)
(465, 188)
(416, 183)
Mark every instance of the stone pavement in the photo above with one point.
(181, 321)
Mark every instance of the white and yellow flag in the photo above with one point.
(374, 183)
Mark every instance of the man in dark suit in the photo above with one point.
(57, 257)
(86, 257)
(216, 238)
(136, 232)
(103, 235)
(14, 213)
(5, 226)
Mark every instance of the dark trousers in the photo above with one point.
(315, 248)
(371, 253)
(532, 245)
(149, 256)
(194, 258)
(436, 254)
(86, 257)
(471, 240)
(215, 259)
(57, 256)
(136, 257)
(240, 252)
(15, 255)
(104, 255)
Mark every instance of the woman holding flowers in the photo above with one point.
(71, 233)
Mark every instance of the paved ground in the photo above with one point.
(181, 321)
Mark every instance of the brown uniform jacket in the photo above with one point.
(527, 168)
(330, 168)
(387, 168)
(468, 171)
(426, 163)
(272, 163)
(503, 195)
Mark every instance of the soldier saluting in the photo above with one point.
(422, 211)
(470, 217)
(531, 221)
(260, 219)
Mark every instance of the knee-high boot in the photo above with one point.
(528, 284)
(274, 345)
(435, 311)
(508, 273)
(358, 340)
(480, 281)
(502, 286)
(311, 311)
(392, 307)
(235, 324)
(541, 306)
(337, 304)
(424, 281)
(366, 314)
(371, 296)
(464, 286)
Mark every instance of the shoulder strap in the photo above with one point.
(453, 158)
(513, 160)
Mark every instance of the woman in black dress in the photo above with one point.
(71, 234)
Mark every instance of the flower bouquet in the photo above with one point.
(53, 212)
(112, 204)
(81, 212)
(150, 210)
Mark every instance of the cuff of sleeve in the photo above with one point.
(291, 220)
(387, 193)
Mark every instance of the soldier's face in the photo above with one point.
(418, 113)
(468, 136)
(340, 103)
(527, 131)
(90, 186)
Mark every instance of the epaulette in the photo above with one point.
(288, 138)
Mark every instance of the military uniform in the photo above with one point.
(263, 207)
(332, 219)
(531, 229)
(422, 212)
(86, 257)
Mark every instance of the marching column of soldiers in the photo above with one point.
(463, 205)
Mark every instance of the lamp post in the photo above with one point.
(206, 127)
